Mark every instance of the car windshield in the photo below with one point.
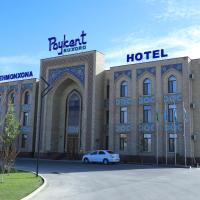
(110, 152)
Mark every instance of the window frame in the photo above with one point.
(147, 87)
(172, 84)
(124, 89)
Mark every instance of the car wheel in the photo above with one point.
(105, 161)
(86, 160)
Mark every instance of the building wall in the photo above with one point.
(19, 88)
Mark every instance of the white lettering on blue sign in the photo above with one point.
(16, 76)
(159, 53)
(67, 45)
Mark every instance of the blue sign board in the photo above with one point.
(20, 75)
(67, 45)
(159, 53)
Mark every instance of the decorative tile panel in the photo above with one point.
(123, 101)
(122, 73)
(177, 66)
(146, 99)
(26, 107)
(27, 86)
(12, 87)
(76, 71)
(170, 127)
(141, 71)
(146, 127)
(26, 129)
(73, 129)
(172, 98)
(2, 89)
(123, 128)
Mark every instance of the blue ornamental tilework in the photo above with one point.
(123, 101)
(123, 128)
(146, 99)
(2, 89)
(76, 71)
(26, 107)
(146, 127)
(26, 129)
(177, 66)
(141, 71)
(170, 127)
(172, 98)
(12, 87)
(122, 73)
(27, 86)
(73, 129)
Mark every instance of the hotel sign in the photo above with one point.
(159, 53)
(20, 75)
(67, 45)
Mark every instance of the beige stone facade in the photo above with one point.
(137, 109)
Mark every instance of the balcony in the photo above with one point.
(146, 127)
(123, 101)
(172, 98)
(146, 99)
(26, 107)
(73, 129)
(170, 127)
(122, 128)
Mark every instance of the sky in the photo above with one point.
(114, 27)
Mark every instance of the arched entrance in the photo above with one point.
(73, 124)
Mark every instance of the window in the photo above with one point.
(27, 98)
(107, 91)
(171, 145)
(172, 84)
(12, 98)
(147, 143)
(147, 87)
(123, 115)
(101, 152)
(123, 142)
(124, 89)
(171, 112)
(24, 138)
(146, 114)
(25, 119)
(94, 153)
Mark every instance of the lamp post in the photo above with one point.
(43, 94)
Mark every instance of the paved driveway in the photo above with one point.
(76, 181)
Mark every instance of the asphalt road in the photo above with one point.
(76, 181)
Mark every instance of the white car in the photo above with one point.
(101, 156)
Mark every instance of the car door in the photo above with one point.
(93, 157)
(101, 156)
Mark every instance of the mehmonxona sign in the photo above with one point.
(20, 75)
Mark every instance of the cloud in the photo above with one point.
(179, 9)
(184, 42)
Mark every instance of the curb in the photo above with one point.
(37, 190)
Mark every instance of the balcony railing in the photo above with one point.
(147, 127)
(123, 101)
(26, 129)
(172, 98)
(122, 128)
(146, 99)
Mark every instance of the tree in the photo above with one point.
(8, 138)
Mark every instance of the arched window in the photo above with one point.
(124, 89)
(27, 98)
(172, 84)
(146, 87)
(12, 98)
(74, 113)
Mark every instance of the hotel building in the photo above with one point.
(142, 111)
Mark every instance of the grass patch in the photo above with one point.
(18, 184)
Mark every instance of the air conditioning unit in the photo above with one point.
(191, 76)
(192, 105)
